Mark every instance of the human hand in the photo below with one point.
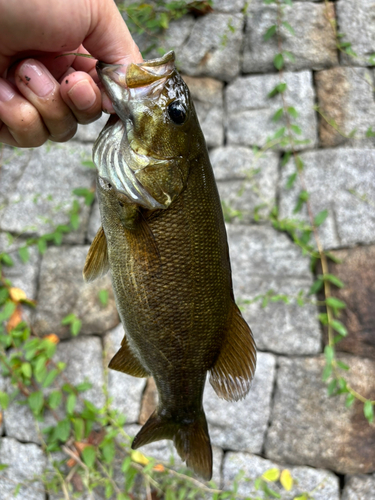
(43, 97)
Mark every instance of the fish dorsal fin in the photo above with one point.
(234, 369)
(96, 264)
(126, 362)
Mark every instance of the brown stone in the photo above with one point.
(346, 105)
(149, 401)
(357, 271)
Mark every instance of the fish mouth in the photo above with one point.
(117, 162)
(135, 81)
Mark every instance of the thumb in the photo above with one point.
(110, 40)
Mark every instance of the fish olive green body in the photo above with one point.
(164, 240)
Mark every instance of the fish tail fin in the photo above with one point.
(191, 440)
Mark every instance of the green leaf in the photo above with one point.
(3, 466)
(26, 370)
(292, 111)
(339, 327)
(289, 27)
(79, 428)
(68, 319)
(349, 400)
(71, 403)
(278, 61)
(4, 400)
(291, 180)
(335, 303)
(320, 217)
(271, 474)
(326, 372)
(50, 378)
(89, 455)
(316, 286)
(24, 254)
(42, 245)
(368, 410)
(332, 386)
(270, 32)
(62, 430)
(103, 297)
(7, 311)
(83, 386)
(76, 327)
(36, 402)
(296, 129)
(54, 399)
(279, 89)
(334, 280)
(342, 365)
(329, 353)
(6, 259)
(108, 451)
(88, 163)
(74, 221)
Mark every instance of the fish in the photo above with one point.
(163, 238)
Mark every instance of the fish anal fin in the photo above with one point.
(96, 264)
(234, 369)
(125, 361)
(191, 440)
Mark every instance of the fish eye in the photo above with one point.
(177, 112)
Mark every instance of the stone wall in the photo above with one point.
(287, 420)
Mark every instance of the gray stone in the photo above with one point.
(247, 181)
(267, 262)
(313, 44)
(242, 425)
(84, 361)
(356, 22)
(321, 484)
(345, 95)
(13, 163)
(25, 462)
(251, 110)
(341, 181)
(310, 428)
(23, 275)
(90, 132)
(213, 47)
(126, 391)
(42, 198)
(208, 100)
(225, 6)
(62, 291)
(94, 222)
(359, 487)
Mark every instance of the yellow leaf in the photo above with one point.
(15, 319)
(16, 294)
(159, 468)
(52, 337)
(139, 458)
(271, 474)
(286, 480)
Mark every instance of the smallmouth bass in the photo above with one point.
(163, 238)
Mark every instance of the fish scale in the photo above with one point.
(163, 237)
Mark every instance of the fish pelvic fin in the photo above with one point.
(191, 440)
(234, 369)
(126, 362)
(97, 263)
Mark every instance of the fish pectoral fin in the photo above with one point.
(97, 264)
(191, 440)
(126, 362)
(234, 369)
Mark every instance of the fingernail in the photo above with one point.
(82, 95)
(6, 91)
(37, 78)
